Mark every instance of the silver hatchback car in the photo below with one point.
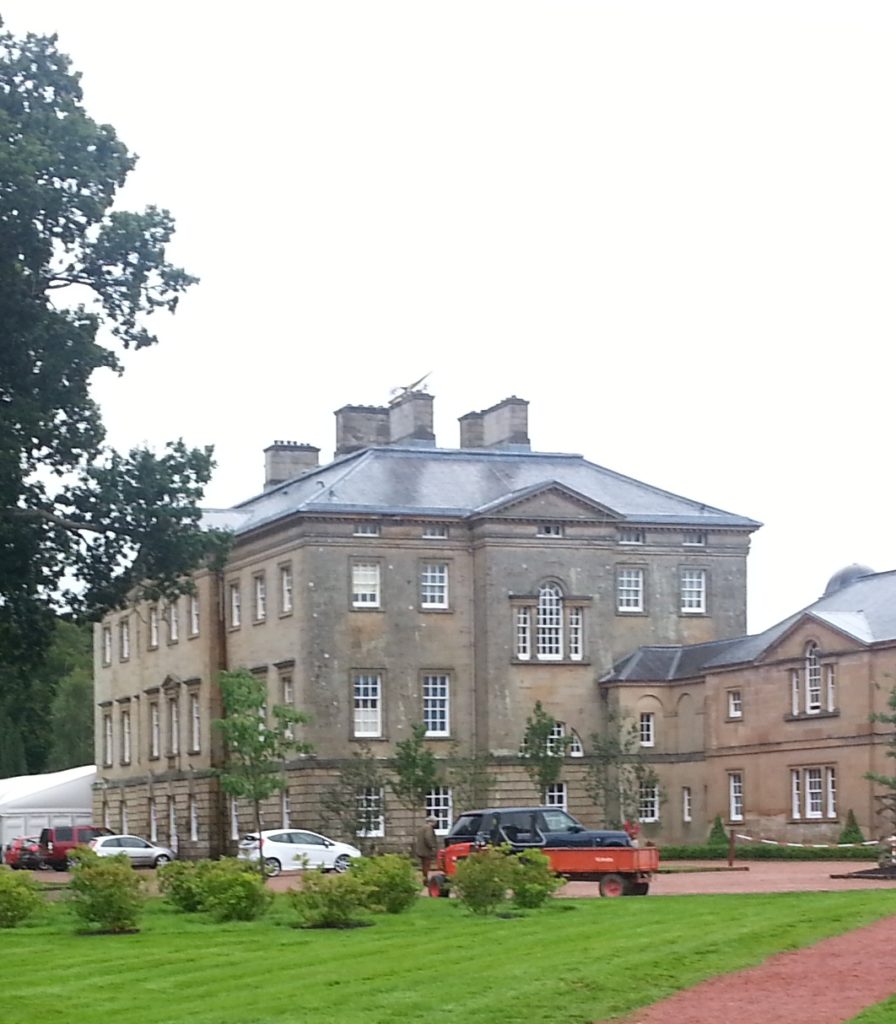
(141, 852)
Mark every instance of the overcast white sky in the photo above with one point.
(668, 225)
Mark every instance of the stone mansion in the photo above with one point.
(404, 583)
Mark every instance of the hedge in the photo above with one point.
(766, 851)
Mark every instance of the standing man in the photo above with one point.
(426, 845)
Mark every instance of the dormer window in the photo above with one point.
(694, 539)
(550, 530)
(631, 535)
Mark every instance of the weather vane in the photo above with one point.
(399, 392)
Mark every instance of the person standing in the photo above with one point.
(426, 845)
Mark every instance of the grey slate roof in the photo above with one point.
(864, 610)
(450, 483)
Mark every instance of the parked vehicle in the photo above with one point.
(23, 852)
(285, 849)
(141, 852)
(606, 856)
(57, 843)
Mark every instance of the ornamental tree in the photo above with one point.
(81, 525)
(255, 752)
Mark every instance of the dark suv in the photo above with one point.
(530, 826)
(57, 843)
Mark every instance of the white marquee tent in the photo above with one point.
(29, 803)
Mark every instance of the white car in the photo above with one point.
(140, 852)
(291, 849)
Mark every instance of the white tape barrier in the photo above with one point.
(809, 846)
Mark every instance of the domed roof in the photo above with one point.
(843, 577)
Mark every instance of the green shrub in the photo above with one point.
(532, 879)
(483, 879)
(232, 890)
(392, 882)
(766, 851)
(19, 898)
(106, 891)
(182, 883)
(851, 832)
(330, 901)
(717, 834)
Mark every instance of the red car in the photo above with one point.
(23, 852)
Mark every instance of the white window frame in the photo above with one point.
(260, 596)
(830, 685)
(107, 738)
(194, 819)
(735, 796)
(234, 818)
(813, 792)
(692, 591)
(235, 604)
(523, 632)
(687, 804)
(631, 535)
(549, 623)
(439, 804)
(153, 626)
(125, 735)
(629, 590)
(366, 585)
(556, 796)
(575, 748)
(286, 595)
(124, 640)
(172, 822)
(434, 585)
(735, 704)
(694, 539)
(436, 687)
(155, 730)
(173, 623)
(366, 530)
(794, 692)
(648, 801)
(194, 615)
(367, 695)
(284, 808)
(434, 531)
(813, 678)
(123, 817)
(153, 820)
(647, 728)
(195, 724)
(107, 645)
(371, 804)
(173, 726)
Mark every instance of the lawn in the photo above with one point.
(574, 961)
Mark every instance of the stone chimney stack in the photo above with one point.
(360, 426)
(505, 425)
(410, 419)
(285, 460)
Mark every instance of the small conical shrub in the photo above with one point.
(717, 834)
(851, 832)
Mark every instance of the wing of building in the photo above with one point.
(404, 583)
(773, 732)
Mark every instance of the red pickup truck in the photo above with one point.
(605, 856)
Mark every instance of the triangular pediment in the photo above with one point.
(842, 632)
(548, 500)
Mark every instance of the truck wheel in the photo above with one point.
(437, 886)
(611, 885)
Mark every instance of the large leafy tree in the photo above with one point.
(80, 524)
